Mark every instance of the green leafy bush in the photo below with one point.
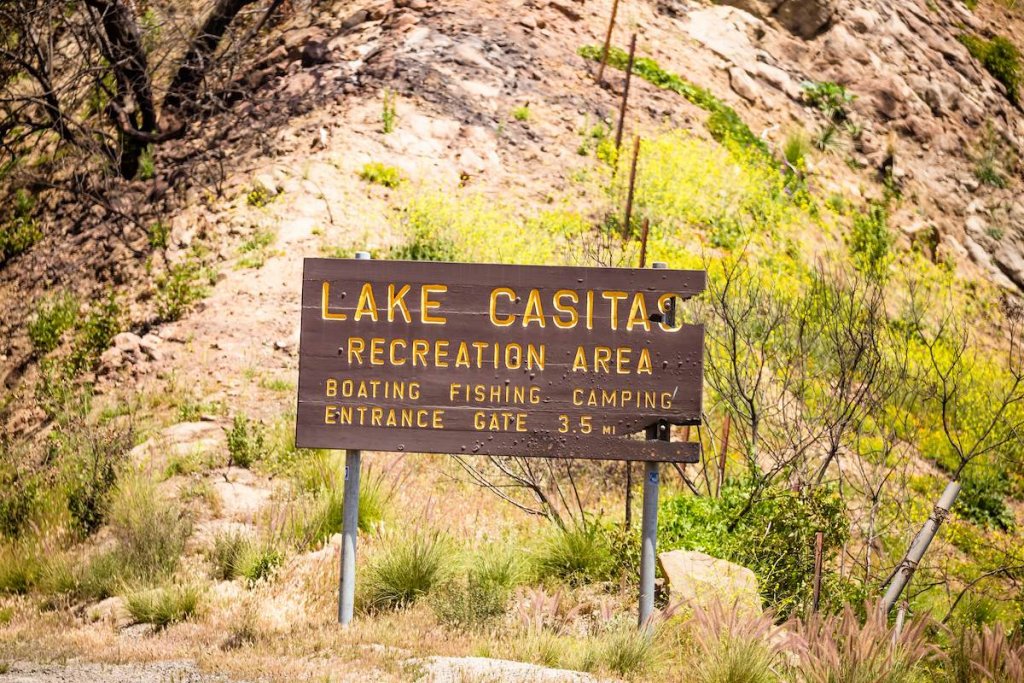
(184, 283)
(389, 113)
(381, 174)
(577, 554)
(829, 98)
(54, 316)
(20, 230)
(983, 498)
(870, 240)
(774, 537)
(103, 322)
(246, 441)
(147, 164)
(258, 562)
(1001, 58)
(409, 567)
(521, 113)
(159, 235)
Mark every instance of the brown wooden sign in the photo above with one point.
(494, 359)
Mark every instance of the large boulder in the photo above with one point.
(803, 18)
(700, 580)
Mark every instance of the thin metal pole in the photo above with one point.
(649, 522)
(350, 526)
(625, 94)
(607, 42)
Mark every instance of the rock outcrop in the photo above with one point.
(698, 580)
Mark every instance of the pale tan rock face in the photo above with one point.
(699, 580)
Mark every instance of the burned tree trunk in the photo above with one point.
(194, 65)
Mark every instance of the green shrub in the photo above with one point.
(774, 537)
(388, 114)
(1000, 58)
(576, 554)
(20, 230)
(246, 442)
(54, 316)
(521, 113)
(87, 454)
(147, 164)
(165, 605)
(428, 237)
(795, 150)
(870, 240)
(381, 174)
(829, 98)
(184, 283)
(97, 331)
(990, 161)
(408, 568)
(258, 197)
(258, 562)
(159, 235)
(982, 498)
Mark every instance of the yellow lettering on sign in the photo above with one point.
(420, 347)
(574, 317)
(534, 311)
(462, 356)
(398, 300)
(579, 362)
(325, 296)
(643, 366)
(366, 305)
(638, 313)
(427, 305)
(502, 321)
(614, 297)
(356, 346)
(622, 354)
(395, 343)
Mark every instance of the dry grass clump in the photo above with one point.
(734, 646)
(164, 605)
(844, 648)
(986, 655)
(408, 568)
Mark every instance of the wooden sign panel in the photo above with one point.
(492, 359)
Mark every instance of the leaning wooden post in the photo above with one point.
(607, 42)
(626, 232)
(649, 522)
(350, 526)
(905, 569)
(625, 94)
(819, 542)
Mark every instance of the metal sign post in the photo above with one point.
(350, 525)
(649, 521)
